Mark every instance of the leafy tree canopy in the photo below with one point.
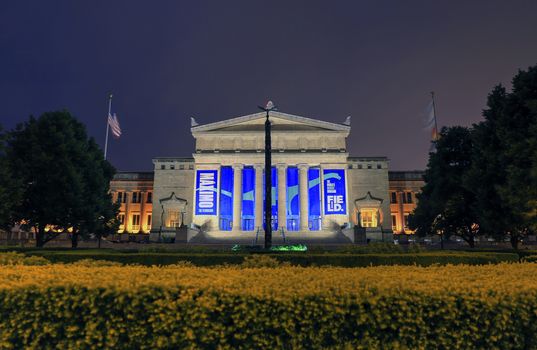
(504, 172)
(484, 179)
(445, 205)
(9, 187)
(65, 180)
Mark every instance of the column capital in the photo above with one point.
(237, 166)
(303, 166)
(281, 166)
(259, 166)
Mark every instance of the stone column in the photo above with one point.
(303, 193)
(258, 195)
(127, 226)
(143, 195)
(282, 196)
(324, 221)
(401, 218)
(237, 197)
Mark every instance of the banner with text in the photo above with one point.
(226, 198)
(206, 190)
(335, 201)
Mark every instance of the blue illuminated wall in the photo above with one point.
(335, 201)
(248, 199)
(226, 198)
(274, 192)
(293, 200)
(314, 199)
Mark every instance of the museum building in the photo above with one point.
(319, 192)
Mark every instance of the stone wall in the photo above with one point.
(369, 174)
(179, 180)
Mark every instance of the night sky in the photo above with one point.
(166, 61)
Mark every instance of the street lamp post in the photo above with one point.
(268, 177)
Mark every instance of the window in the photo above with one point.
(368, 218)
(121, 219)
(359, 166)
(191, 167)
(394, 197)
(394, 223)
(122, 197)
(181, 167)
(135, 222)
(369, 166)
(174, 220)
(379, 166)
(406, 222)
(149, 197)
(136, 197)
(148, 221)
(162, 167)
(350, 166)
(407, 197)
(172, 167)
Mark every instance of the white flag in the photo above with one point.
(114, 125)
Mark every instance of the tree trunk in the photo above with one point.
(40, 237)
(514, 242)
(74, 240)
(471, 242)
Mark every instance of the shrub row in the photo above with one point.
(455, 307)
(300, 259)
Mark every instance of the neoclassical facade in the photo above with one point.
(319, 191)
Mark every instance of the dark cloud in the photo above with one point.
(169, 60)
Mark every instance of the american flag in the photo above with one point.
(114, 125)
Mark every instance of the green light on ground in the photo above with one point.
(278, 248)
(290, 248)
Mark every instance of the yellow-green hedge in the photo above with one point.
(301, 258)
(81, 307)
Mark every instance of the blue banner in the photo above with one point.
(248, 198)
(335, 201)
(293, 203)
(314, 199)
(274, 201)
(226, 198)
(206, 191)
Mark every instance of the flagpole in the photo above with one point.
(107, 124)
(434, 115)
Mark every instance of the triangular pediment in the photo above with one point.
(173, 201)
(368, 201)
(279, 121)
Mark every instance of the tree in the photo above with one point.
(504, 172)
(489, 171)
(65, 180)
(98, 213)
(445, 205)
(9, 187)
